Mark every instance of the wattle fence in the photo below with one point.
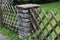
(9, 15)
(28, 21)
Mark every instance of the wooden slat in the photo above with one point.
(34, 19)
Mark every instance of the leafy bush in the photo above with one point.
(31, 1)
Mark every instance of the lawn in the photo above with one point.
(53, 6)
(7, 32)
(49, 6)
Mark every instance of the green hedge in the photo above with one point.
(31, 1)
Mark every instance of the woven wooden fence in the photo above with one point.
(47, 29)
(49, 26)
(8, 15)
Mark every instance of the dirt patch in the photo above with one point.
(2, 37)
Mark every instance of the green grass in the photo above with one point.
(7, 32)
(54, 6)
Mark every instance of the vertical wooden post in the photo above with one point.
(28, 19)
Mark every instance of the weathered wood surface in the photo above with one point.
(25, 6)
